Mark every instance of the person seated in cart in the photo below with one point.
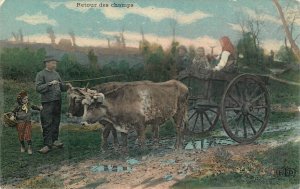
(182, 59)
(200, 63)
(226, 59)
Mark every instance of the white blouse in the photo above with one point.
(223, 60)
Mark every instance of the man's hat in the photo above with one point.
(49, 58)
(22, 94)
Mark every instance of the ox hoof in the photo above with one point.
(104, 148)
(156, 143)
(103, 151)
(116, 146)
(178, 147)
(124, 150)
(142, 148)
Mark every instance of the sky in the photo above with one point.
(197, 22)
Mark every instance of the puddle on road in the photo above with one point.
(204, 144)
(132, 161)
(110, 168)
(218, 138)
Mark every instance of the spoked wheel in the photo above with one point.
(245, 108)
(202, 114)
(202, 118)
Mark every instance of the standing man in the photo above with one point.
(49, 85)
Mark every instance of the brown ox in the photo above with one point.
(75, 97)
(137, 104)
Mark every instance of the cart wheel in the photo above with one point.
(203, 115)
(245, 108)
(202, 118)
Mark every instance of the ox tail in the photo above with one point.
(183, 107)
(185, 112)
(181, 117)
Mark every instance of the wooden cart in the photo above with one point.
(240, 100)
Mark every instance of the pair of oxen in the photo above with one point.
(122, 107)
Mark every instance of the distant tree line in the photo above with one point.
(22, 64)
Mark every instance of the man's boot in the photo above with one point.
(58, 144)
(44, 150)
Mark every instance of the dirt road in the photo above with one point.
(161, 167)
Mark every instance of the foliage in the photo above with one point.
(144, 47)
(93, 59)
(289, 95)
(251, 53)
(13, 61)
(70, 69)
(154, 63)
(159, 64)
(286, 55)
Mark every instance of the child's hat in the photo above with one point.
(22, 94)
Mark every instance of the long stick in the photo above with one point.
(280, 80)
(97, 78)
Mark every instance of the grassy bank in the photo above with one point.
(259, 171)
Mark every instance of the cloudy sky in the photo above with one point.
(198, 22)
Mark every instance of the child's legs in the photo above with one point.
(27, 132)
(21, 130)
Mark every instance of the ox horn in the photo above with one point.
(69, 86)
(99, 97)
(86, 87)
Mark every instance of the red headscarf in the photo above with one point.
(227, 45)
(21, 95)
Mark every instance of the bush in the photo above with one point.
(21, 64)
(285, 54)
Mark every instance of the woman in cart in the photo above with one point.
(227, 57)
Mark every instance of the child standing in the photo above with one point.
(22, 114)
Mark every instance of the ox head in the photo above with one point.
(94, 108)
(76, 97)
